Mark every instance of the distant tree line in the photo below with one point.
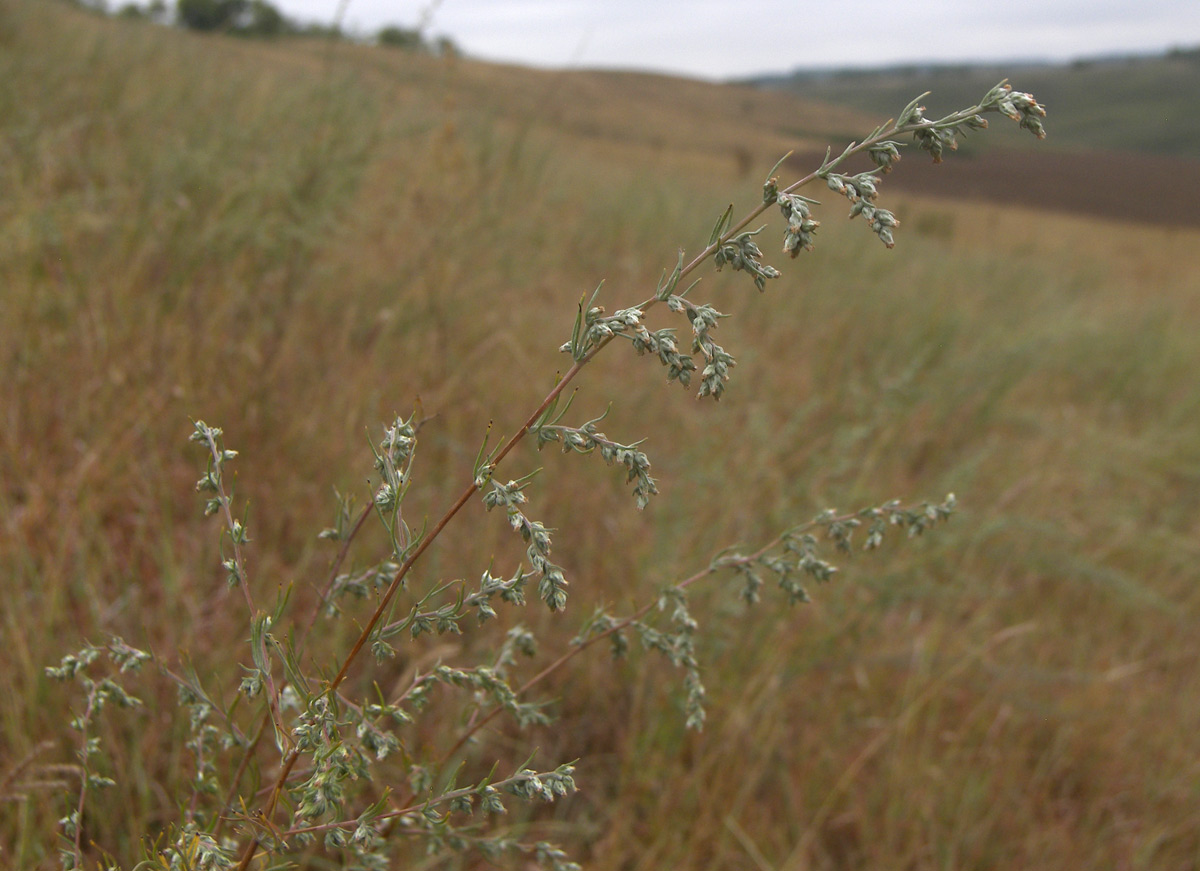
(1188, 54)
(260, 18)
(244, 17)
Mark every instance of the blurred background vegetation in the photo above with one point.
(259, 19)
(296, 239)
(1143, 103)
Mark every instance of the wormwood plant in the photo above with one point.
(297, 766)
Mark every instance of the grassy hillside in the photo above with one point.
(296, 241)
(1143, 104)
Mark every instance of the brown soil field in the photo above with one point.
(1110, 185)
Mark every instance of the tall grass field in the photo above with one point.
(300, 240)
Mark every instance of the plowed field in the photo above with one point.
(1120, 186)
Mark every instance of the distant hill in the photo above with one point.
(1147, 104)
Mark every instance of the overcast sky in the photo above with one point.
(726, 38)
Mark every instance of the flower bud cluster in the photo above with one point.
(600, 623)
(318, 730)
(938, 137)
(73, 663)
(195, 848)
(399, 442)
(593, 328)
(740, 252)
(204, 740)
(885, 154)
(800, 225)
(550, 856)
(862, 190)
(393, 460)
(807, 561)
(75, 666)
(511, 591)
(553, 586)
(210, 437)
(343, 520)
(317, 725)
(587, 438)
(98, 694)
(704, 319)
(214, 482)
(334, 764)
(377, 740)
(795, 554)
(913, 520)
(360, 584)
(600, 328)
(363, 841)
(679, 647)
(662, 344)
(491, 687)
(771, 190)
(446, 618)
(1023, 108)
(518, 639)
(546, 786)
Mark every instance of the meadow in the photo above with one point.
(297, 241)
